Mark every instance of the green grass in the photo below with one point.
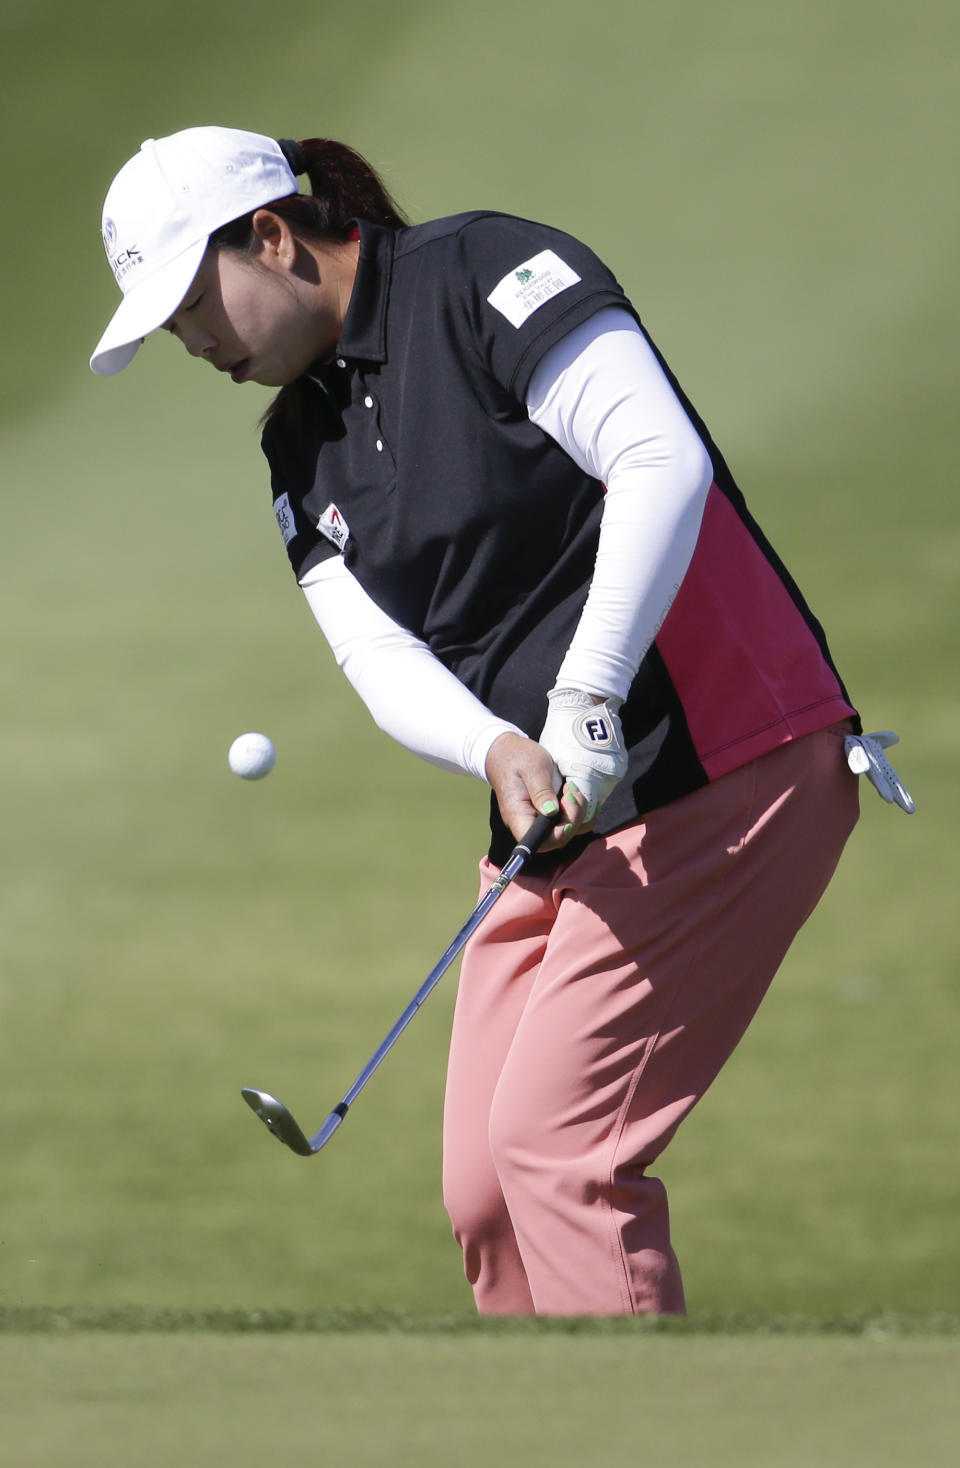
(135, 1320)
(528, 1398)
(772, 186)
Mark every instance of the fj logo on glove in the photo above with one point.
(595, 730)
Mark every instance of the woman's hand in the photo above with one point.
(526, 783)
(584, 736)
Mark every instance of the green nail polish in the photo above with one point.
(568, 830)
(573, 787)
(550, 808)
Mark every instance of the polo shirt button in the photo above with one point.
(368, 402)
(341, 362)
(379, 445)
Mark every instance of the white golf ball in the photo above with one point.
(252, 756)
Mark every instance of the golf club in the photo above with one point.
(275, 1115)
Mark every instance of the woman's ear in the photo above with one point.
(276, 243)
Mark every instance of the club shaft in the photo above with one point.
(537, 833)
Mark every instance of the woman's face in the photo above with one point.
(266, 317)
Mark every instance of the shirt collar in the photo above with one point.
(364, 334)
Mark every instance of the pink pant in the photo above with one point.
(597, 1005)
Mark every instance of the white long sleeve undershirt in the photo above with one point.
(601, 394)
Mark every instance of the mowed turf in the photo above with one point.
(769, 186)
(519, 1398)
(523, 1393)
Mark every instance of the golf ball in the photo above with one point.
(252, 756)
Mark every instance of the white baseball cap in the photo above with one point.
(159, 213)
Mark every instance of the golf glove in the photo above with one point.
(586, 742)
(865, 756)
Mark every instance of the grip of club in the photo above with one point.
(537, 834)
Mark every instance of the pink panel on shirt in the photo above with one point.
(747, 668)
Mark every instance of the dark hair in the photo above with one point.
(343, 188)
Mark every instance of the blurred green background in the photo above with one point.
(774, 185)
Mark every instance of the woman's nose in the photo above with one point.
(199, 343)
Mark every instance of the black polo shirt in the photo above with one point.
(416, 460)
(412, 455)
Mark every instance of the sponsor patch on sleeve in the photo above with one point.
(334, 526)
(530, 285)
(283, 510)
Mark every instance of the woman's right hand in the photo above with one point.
(526, 783)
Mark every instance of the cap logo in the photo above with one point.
(109, 237)
(126, 261)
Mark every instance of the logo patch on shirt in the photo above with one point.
(283, 510)
(334, 526)
(530, 285)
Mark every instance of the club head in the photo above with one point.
(275, 1115)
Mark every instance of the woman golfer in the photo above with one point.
(534, 566)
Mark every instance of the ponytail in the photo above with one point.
(344, 184)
